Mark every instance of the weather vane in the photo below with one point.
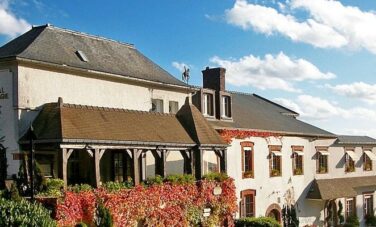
(185, 75)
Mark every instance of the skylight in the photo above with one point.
(82, 56)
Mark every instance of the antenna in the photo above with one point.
(185, 75)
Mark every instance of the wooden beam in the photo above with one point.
(90, 152)
(198, 162)
(223, 161)
(97, 159)
(64, 155)
(136, 167)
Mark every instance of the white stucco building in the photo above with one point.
(102, 111)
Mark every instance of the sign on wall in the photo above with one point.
(3, 94)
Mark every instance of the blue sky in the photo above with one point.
(316, 57)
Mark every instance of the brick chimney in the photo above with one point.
(214, 78)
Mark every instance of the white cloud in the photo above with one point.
(180, 66)
(272, 72)
(10, 25)
(360, 90)
(316, 108)
(268, 20)
(330, 24)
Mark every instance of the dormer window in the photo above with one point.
(208, 104)
(226, 106)
(157, 105)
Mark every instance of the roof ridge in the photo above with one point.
(83, 34)
(112, 109)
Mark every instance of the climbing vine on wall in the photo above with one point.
(3, 164)
(164, 204)
(229, 134)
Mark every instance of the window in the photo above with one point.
(350, 207)
(226, 106)
(157, 105)
(208, 108)
(121, 166)
(46, 164)
(247, 159)
(173, 107)
(322, 160)
(275, 161)
(118, 167)
(368, 204)
(368, 157)
(247, 204)
(350, 158)
(297, 160)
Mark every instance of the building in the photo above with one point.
(101, 111)
(278, 160)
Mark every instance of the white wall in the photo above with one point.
(8, 120)
(270, 190)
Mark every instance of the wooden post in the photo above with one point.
(136, 167)
(223, 162)
(64, 155)
(98, 153)
(188, 161)
(198, 162)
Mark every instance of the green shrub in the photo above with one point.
(24, 213)
(52, 188)
(112, 186)
(3, 164)
(80, 224)
(370, 220)
(257, 222)
(154, 180)
(14, 195)
(194, 215)
(103, 217)
(352, 221)
(214, 176)
(80, 188)
(180, 179)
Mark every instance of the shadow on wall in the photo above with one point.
(172, 167)
(26, 117)
(308, 211)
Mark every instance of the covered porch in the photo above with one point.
(86, 144)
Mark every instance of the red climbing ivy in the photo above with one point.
(229, 134)
(166, 204)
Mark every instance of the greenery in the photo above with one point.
(52, 188)
(14, 195)
(298, 171)
(289, 216)
(3, 164)
(215, 176)
(248, 174)
(180, 179)
(352, 221)
(80, 188)
(257, 222)
(24, 214)
(276, 172)
(322, 169)
(158, 180)
(112, 186)
(80, 224)
(370, 220)
(194, 215)
(103, 217)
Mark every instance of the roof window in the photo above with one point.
(82, 56)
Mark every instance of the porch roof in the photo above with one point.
(61, 122)
(327, 189)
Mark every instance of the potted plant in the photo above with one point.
(322, 169)
(248, 174)
(275, 172)
(298, 171)
(368, 166)
(350, 168)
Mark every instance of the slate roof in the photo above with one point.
(61, 122)
(252, 112)
(59, 46)
(354, 140)
(326, 189)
